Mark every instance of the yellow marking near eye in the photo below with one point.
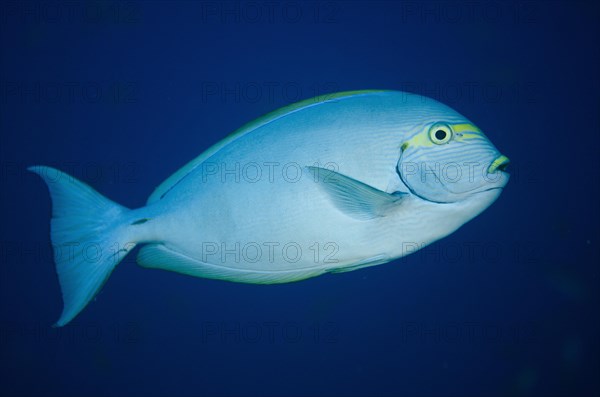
(462, 132)
(467, 131)
(459, 128)
(421, 139)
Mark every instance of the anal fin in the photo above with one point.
(160, 256)
(376, 260)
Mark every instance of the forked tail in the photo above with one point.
(89, 237)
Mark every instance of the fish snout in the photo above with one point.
(501, 163)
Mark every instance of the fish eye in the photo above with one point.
(440, 134)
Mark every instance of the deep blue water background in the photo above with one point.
(122, 94)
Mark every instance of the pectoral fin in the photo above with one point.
(353, 197)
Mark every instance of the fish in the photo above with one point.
(330, 184)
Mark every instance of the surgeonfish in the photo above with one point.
(329, 184)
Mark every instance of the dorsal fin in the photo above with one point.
(168, 184)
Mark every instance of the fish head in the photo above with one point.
(450, 160)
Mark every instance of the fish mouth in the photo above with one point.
(499, 164)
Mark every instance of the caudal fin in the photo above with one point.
(89, 238)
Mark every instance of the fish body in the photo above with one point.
(330, 184)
